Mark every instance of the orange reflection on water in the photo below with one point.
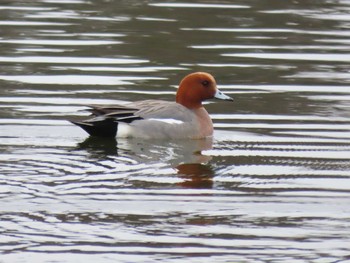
(196, 175)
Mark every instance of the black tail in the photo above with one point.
(104, 128)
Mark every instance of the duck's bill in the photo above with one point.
(221, 96)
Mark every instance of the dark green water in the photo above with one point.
(272, 186)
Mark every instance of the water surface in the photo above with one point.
(273, 185)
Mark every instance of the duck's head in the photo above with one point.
(198, 87)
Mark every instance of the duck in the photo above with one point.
(184, 118)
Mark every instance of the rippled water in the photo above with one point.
(272, 186)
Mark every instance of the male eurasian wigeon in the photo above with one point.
(185, 118)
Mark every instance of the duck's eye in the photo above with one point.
(205, 83)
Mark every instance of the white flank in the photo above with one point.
(124, 130)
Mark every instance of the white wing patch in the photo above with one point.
(169, 121)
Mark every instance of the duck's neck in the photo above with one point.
(187, 99)
(190, 104)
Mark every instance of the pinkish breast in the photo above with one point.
(205, 122)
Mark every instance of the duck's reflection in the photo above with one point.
(99, 147)
(196, 175)
(185, 156)
(172, 152)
